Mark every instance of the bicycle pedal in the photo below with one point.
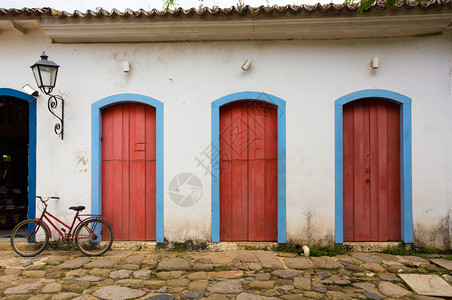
(64, 230)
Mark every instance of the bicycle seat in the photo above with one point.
(77, 208)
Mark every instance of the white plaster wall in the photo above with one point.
(187, 77)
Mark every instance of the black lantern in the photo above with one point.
(45, 72)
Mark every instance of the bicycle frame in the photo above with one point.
(45, 216)
(91, 234)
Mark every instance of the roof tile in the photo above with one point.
(244, 11)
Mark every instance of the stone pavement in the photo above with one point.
(245, 275)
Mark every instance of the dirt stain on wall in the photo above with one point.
(312, 230)
(433, 236)
(81, 161)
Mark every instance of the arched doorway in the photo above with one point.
(405, 185)
(371, 170)
(269, 101)
(127, 165)
(17, 157)
(248, 171)
(128, 170)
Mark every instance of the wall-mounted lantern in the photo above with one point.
(246, 65)
(374, 63)
(45, 72)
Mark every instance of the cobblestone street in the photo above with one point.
(212, 275)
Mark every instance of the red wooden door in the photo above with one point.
(248, 172)
(128, 170)
(371, 171)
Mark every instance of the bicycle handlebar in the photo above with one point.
(47, 198)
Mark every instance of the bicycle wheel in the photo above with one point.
(94, 237)
(29, 238)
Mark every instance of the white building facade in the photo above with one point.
(309, 64)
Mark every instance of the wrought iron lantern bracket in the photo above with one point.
(52, 104)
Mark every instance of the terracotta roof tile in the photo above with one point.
(327, 9)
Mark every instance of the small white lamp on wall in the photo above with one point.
(246, 65)
(30, 90)
(126, 66)
(375, 63)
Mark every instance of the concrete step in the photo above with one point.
(370, 246)
(233, 246)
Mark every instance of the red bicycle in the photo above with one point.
(92, 234)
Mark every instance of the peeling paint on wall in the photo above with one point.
(81, 161)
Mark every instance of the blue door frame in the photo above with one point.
(96, 153)
(215, 165)
(405, 159)
(31, 145)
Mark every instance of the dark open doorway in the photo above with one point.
(14, 139)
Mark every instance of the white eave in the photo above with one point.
(332, 21)
(120, 30)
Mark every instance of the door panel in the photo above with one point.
(394, 171)
(128, 170)
(248, 172)
(371, 158)
(361, 162)
(233, 175)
